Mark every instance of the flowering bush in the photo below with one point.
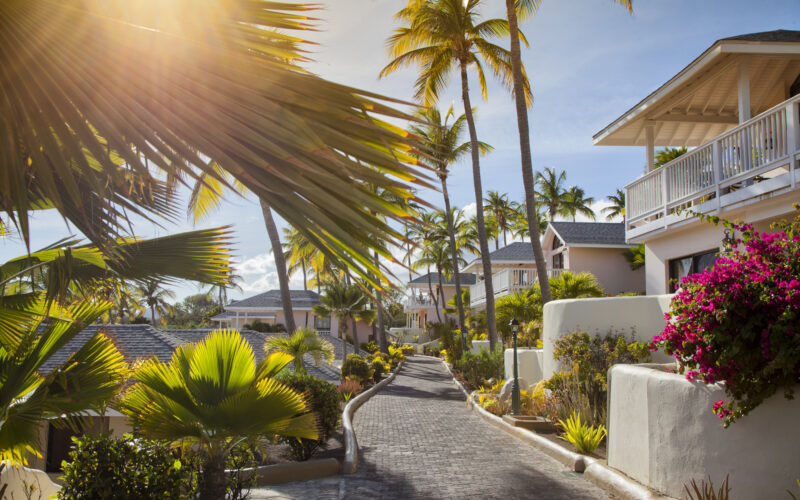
(739, 321)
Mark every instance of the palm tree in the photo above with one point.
(154, 296)
(503, 212)
(666, 155)
(440, 36)
(575, 202)
(347, 303)
(524, 9)
(436, 254)
(551, 191)
(520, 227)
(131, 106)
(280, 266)
(568, 285)
(214, 396)
(443, 142)
(635, 256)
(298, 253)
(617, 208)
(302, 341)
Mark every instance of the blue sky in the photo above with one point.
(588, 63)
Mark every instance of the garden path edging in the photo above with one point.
(350, 463)
(594, 470)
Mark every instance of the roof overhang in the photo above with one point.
(701, 101)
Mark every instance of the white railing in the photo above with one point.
(768, 142)
(508, 281)
(419, 301)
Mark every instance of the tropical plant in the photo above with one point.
(155, 297)
(520, 226)
(706, 491)
(666, 155)
(569, 285)
(582, 436)
(214, 396)
(443, 144)
(298, 252)
(182, 119)
(503, 211)
(280, 265)
(356, 368)
(122, 468)
(524, 305)
(576, 202)
(617, 207)
(478, 368)
(378, 368)
(737, 321)
(370, 347)
(349, 388)
(347, 303)
(323, 400)
(635, 256)
(551, 191)
(436, 254)
(440, 37)
(303, 341)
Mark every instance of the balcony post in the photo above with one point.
(665, 193)
(793, 138)
(716, 164)
(650, 145)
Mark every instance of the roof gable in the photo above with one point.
(590, 233)
(272, 300)
(435, 279)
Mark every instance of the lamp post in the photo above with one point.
(514, 324)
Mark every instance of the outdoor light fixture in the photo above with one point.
(514, 324)
(729, 241)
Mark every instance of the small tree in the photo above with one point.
(302, 341)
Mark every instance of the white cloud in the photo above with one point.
(470, 210)
(598, 207)
(259, 274)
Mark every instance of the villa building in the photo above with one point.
(426, 294)
(595, 247)
(737, 106)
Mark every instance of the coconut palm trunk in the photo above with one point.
(280, 265)
(453, 251)
(305, 283)
(525, 153)
(491, 324)
(433, 296)
(382, 344)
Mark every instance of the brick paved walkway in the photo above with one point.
(419, 439)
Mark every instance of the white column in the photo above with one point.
(793, 138)
(744, 89)
(650, 145)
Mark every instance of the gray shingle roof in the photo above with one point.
(519, 250)
(590, 233)
(272, 300)
(466, 279)
(769, 36)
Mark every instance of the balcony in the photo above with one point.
(418, 302)
(506, 282)
(757, 159)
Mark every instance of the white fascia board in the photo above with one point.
(266, 310)
(599, 245)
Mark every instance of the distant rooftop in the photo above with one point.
(272, 300)
(590, 233)
(436, 278)
(769, 36)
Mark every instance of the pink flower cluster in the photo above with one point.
(737, 322)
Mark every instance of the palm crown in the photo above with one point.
(302, 341)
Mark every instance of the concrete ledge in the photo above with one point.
(295, 471)
(594, 470)
(350, 464)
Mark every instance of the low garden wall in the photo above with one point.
(642, 314)
(22, 479)
(477, 345)
(662, 432)
(529, 364)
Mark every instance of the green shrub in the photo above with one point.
(476, 369)
(378, 369)
(323, 400)
(258, 326)
(355, 367)
(395, 356)
(434, 351)
(348, 389)
(103, 467)
(584, 437)
(370, 347)
(407, 350)
(449, 339)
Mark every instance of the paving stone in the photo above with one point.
(419, 439)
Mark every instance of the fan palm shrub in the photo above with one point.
(347, 303)
(569, 285)
(302, 341)
(214, 396)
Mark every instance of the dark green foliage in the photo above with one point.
(476, 369)
(378, 369)
(194, 311)
(705, 490)
(449, 338)
(258, 326)
(103, 467)
(589, 359)
(140, 320)
(323, 400)
(432, 350)
(355, 367)
(370, 347)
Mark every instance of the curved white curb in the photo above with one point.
(593, 469)
(350, 464)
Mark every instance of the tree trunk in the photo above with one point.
(153, 313)
(525, 152)
(433, 295)
(382, 344)
(453, 252)
(213, 483)
(280, 265)
(491, 324)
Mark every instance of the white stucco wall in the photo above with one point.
(529, 364)
(477, 345)
(662, 432)
(643, 314)
(609, 267)
(19, 478)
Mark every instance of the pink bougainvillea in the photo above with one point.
(738, 322)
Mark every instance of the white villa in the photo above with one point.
(420, 307)
(595, 247)
(736, 107)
